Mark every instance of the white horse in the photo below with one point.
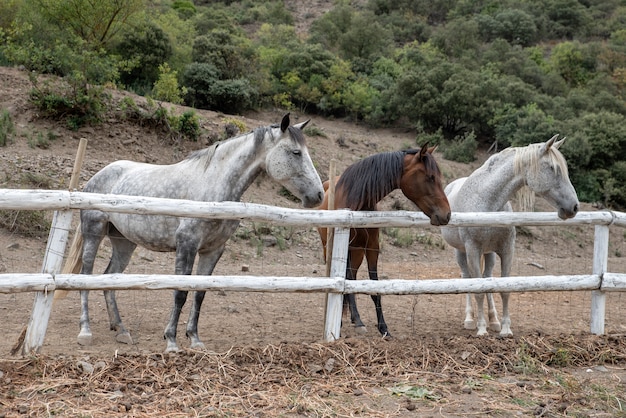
(221, 172)
(543, 170)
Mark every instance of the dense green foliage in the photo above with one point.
(461, 73)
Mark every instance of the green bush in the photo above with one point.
(188, 124)
(166, 87)
(462, 149)
(7, 129)
(73, 99)
(206, 91)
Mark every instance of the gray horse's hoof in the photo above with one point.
(124, 338)
(172, 348)
(198, 346)
(361, 330)
(85, 338)
(469, 324)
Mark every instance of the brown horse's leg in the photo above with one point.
(371, 254)
(355, 257)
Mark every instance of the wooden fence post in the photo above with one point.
(52, 263)
(334, 305)
(600, 264)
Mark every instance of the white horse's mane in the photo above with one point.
(527, 159)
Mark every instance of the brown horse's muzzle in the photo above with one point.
(440, 218)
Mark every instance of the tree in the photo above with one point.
(95, 22)
(147, 48)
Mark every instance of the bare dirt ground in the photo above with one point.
(264, 352)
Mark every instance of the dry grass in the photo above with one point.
(459, 376)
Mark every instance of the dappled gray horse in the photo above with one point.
(535, 169)
(221, 172)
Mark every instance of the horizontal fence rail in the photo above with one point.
(15, 283)
(63, 202)
(33, 199)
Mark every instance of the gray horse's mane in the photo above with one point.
(259, 134)
(527, 159)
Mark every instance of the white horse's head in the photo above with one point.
(289, 163)
(548, 177)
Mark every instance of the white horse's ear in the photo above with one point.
(284, 124)
(302, 124)
(557, 144)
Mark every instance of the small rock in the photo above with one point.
(330, 363)
(245, 267)
(86, 367)
(314, 368)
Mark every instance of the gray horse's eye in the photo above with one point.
(297, 152)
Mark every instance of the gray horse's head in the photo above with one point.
(289, 163)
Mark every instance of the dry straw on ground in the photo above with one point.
(459, 376)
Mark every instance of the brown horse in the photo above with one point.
(362, 186)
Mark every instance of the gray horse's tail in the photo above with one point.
(74, 261)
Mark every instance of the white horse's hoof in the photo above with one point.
(482, 332)
(361, 330)
(469, 324)
(494, 326)
(85, 338)
(124, 338)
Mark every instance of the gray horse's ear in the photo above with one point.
(284, 124)
(302, 124)
(545, 147)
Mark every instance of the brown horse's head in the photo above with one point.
(421, 183)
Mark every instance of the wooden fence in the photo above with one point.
(63, 203)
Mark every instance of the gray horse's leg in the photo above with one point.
(461, 259)
(185, 257)
(206, 264)
(93, 231)
(122, 251)
(494, 324)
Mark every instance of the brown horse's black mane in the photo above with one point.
(368, 181)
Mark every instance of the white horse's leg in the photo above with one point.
(461, 259)
(481, 324)
(474, 256)
(494, 324)
(506, 319)
(506, 259)
(469, 314)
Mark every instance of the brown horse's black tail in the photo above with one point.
(74, 261)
